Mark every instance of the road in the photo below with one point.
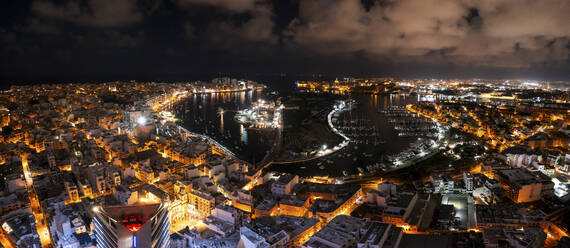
(37, 210)
(268, 159)
(6, 240)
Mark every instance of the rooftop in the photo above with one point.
(373, 231)
(285, 178)
(424, 241)
(518, 176)
(293, 200)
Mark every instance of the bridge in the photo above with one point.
(224, 149)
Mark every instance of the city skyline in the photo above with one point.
(284, 123)
(366, 162)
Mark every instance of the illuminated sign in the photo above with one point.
(133, 222)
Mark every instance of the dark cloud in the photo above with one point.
(112, 39)
(257, 26)
(189, 31)
(364, 37)
(37, 25)
(98, 13)
(229, 5)
(482, 32)
(442, 52)
(473, 18)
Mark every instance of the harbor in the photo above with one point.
(373, 142)
(214, 115)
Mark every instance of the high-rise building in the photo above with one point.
(132, 226)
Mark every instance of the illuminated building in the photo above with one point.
(243, 200)
(96, 176)
(86, 189)
(377, 198)
(267, 207)
(561, 186)
(146, 174)
(226, 213)
(519, 156)
(72, 191)
(376, 234)
(124, 195)
(490, 165)
(342, 231)
(132, 226)
(191, 172)
(468, 179)
(520, 185)
(331, 199)
(203, 202)
(284, 184)
(547, 188)
(284, 231)
(250, 239)
(495, 216)
(399, 207)
(223, 220)
(526, 237)
(294, 205)
(144, 129)
(442, 183)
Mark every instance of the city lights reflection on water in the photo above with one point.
(213, 115)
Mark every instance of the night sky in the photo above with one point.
(63, 40)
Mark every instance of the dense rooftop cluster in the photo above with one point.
(69, 150)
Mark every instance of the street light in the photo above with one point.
(141, 120)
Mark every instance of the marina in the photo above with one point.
(373, 139)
